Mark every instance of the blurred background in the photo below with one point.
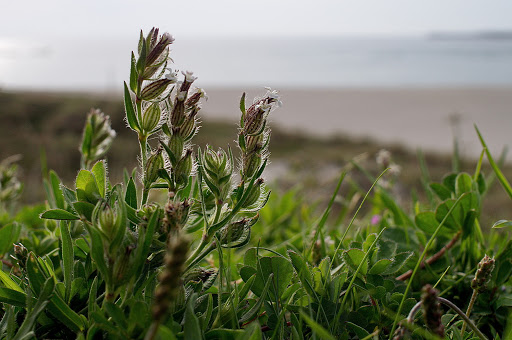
(355, 76)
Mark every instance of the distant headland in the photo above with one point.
(472, 35)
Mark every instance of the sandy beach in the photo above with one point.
(414, 117)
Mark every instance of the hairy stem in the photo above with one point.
(468, 311)
(463, 316)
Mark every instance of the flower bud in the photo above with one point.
(251, 163)
(176, 215)
(158, 48)
(107, 220)
(254, 194)
(176, 145)
(184, 168)
(170, 278)
(97, 137)
(483, 274)
(198, 274)
(253, 142)
(154, 89)
(432, 310)
(21, 255)
(194, 99)
(178, 113)
(235, 230)
(154, 164)
(254, 120)
(188, 128)
(232, 232)
(151, 117)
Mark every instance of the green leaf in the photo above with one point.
(57, 307)
(449, 181)
(145, 242)
(164, 333)
(398, 261)
(455, 219)
(317, 329)
(251, 313)
(97, 252)
(504, 183)
(441, 191)
(282, 271)
(13, 296)
(354, 257)
(380, 266)
(133, 74)
(56, 190)
(427, 222)
(360, 332)
(463, 184)
(67, 258)
(100, 174)
(92, 305)
(251, 257)
(117, 314)
(30, 319)
(59, 214)
(131, 117)
(251, 332)
(141, 63)
(502, 224)
(131, 194)
(84, 209)
(8, 282)
(86, 187)
(303, 271)
(242, 110)
(35, 276)
(191, 328)
(9, 234)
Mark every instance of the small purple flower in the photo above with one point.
(375, 219)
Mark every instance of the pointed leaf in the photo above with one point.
(131, 117)
(100, 174)
(131, 194)
(86, 187)
(59, 214)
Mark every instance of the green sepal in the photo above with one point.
(141, 63)
(242, 109)
(169, 153)
(133, 74)
(131, 117)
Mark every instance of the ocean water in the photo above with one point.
(97, 65)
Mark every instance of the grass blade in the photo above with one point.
(494, 166)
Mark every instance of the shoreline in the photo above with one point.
(426, 118)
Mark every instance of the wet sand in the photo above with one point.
(415, 117)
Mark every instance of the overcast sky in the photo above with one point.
(121, 18)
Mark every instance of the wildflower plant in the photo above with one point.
(115, 261)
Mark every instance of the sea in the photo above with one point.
(293, 63)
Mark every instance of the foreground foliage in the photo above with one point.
(186, 247)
